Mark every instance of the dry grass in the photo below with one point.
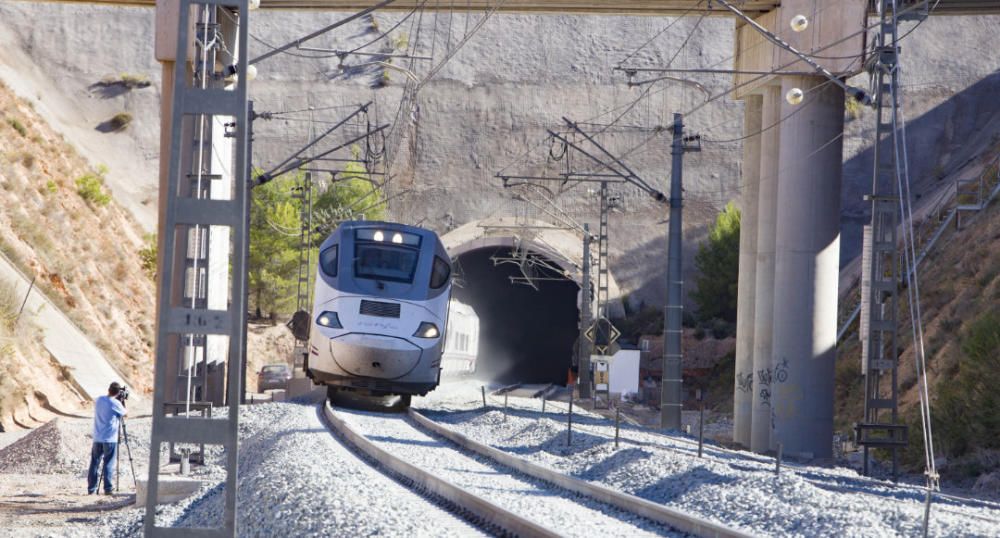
(82, 247)
(959, 282)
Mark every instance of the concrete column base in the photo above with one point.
(171, 489)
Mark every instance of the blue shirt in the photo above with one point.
(107, 413)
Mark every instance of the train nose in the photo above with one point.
(368, 355)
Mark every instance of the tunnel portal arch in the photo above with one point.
(527, 334)
(559, 244)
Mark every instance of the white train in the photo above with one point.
(381, 311)
(462, 344)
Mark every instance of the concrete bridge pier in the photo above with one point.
(760, 436)
(750, 181)
(786, 316)
(806, 270)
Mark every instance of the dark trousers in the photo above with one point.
(106, 452)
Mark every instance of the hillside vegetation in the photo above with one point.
(960, 298)
(61, 225)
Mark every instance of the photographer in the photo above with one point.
(108, 411)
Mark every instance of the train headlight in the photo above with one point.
(378, 236)
(427, 330)
(329, 319)
(397, 238)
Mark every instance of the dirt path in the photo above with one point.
(43, 505)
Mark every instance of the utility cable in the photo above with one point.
(913, 291)
(386, 33)
(661, 32)
(628, 106)
(769, 127)
(203, 76)
(321, 31)
(921, 21)
(738, 86)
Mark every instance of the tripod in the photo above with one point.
(123, 433)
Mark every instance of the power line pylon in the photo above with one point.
(881, 264)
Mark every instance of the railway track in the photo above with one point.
(506, 390)
(507, 494)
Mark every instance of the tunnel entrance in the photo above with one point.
(525, 335)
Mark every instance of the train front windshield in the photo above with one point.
(384, 262)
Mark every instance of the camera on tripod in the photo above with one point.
(122, 395)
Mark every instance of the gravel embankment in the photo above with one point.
(296, 479)
(564, 512)
(62, 446)
(731, 487)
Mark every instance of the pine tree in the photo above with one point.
(275, 228)
(717, 262)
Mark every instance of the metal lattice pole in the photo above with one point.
(177, 319)
(602, 255)
(583, 364)
(880, 259)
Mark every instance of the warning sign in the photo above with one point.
(602, 334)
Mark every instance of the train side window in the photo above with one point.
(440, 273)
(328, 260)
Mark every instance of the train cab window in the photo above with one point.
(328, 260)
(385, 262)
(440, 273)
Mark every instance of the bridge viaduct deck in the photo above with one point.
(608, 7)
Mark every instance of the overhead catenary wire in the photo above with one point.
(647, 92)
(781, 120)
(913, 292)
(385, 34)
(726, 92)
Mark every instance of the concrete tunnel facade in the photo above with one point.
(526, 335)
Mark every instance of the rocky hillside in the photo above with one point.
(61, 225)
(960, 299)
(491, 104)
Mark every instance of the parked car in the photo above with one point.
(273, 376)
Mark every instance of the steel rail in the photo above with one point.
(677, 519)
(487, 511)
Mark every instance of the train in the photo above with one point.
(461, 347)
(380, 313)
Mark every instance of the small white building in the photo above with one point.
(623, 372)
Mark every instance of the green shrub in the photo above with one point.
(722, 329)
(51, 186)
(966, 411)
(854, 108)
(717, 262)
(147, 254)
(18, 126)
(401, 41)
(90, 187)
(120, 121)
(131, 81)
